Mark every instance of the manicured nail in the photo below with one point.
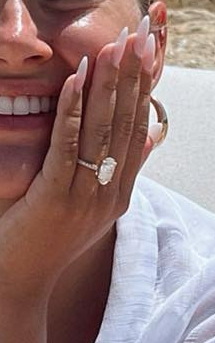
(149, 53)
(141, 37)
(81, 74)
(155, 131)
(119, 47)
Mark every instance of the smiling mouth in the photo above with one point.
(27, 105)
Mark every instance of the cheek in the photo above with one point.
(85, 36)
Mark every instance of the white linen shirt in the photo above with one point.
(163, 277)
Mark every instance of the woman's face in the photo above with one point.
(41, 43)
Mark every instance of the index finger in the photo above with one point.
(60, 163)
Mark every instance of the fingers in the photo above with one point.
(140, 129)
(115, 121)
(97, 124)
(60, 163)
(96, 127)
(118, 124)
(127, 95)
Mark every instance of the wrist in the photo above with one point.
(22, 321)
(29, 294)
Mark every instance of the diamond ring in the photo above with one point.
(104, 172)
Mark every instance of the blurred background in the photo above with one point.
(185, 162)
(191, 41)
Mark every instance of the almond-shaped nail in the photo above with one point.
(119, 47)
(141, 36)
(149, 53)
(81, 74)
(154, 132)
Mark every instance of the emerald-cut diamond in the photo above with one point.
(106, 170)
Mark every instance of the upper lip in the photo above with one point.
(14, 87)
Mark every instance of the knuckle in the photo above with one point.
(145, 96)
(131, 76)
(145, 108)
(103, 133)
(140, 133)
(70, 145)
(73, 123)
(71, 127)
(146, 104)
(109, 85)
(75, 113)
(126, 126)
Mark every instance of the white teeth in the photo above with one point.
(21, 105)
(45, 104)
(34, 104)
(6, 105)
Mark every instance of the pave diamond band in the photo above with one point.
(104, 172)
(87, 164)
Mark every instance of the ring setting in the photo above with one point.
(104, 172)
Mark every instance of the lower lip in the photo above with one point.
(26, 122)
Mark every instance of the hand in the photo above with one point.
(65, 210)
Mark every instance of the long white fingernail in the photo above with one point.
(119, 47)
(142, 34)
(149, 53)
(155, 131)
(81, 74)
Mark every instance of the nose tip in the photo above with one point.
(20, 45)
(22, 53)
